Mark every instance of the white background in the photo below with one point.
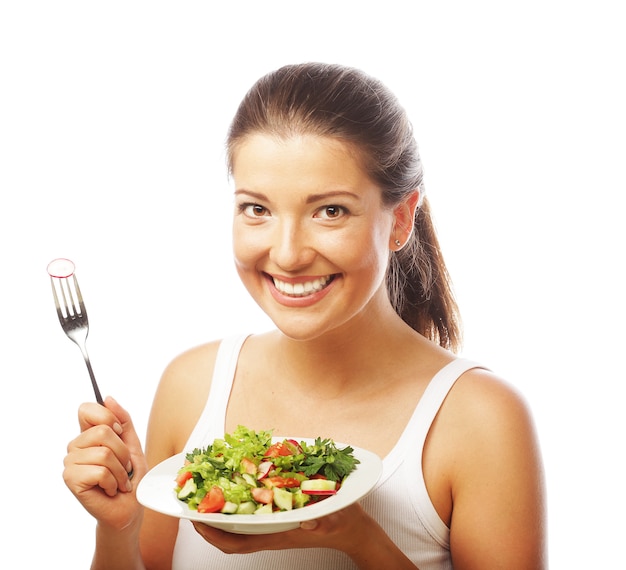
(112, 121)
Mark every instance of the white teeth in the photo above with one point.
(301, 289)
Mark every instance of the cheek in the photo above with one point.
(373, 244)
(365, 258)
(245, 249)
(245, 265)
(371, 257)
(374, 262)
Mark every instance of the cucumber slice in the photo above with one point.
(189, 488)
(229, 508)
(283, 499)
(246, 508)
(318, 485)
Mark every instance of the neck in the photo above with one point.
(348, 356)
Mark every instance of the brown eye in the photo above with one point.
(253, 210)
(331, 212)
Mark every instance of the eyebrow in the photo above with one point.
(331, 194)
(309, 200)
(256, 195)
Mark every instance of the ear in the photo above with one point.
(404, 218)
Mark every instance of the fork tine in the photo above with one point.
(70, 302)
(54, 294)
(56, 299)
(66, 294)
(80, 309)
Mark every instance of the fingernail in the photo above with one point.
(117, 428)
(129, 468)
(129, 486)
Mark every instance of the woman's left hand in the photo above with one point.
(342, 530)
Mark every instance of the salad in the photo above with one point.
(246, 472)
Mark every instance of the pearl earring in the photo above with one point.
(397, 242)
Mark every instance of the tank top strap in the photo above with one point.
(415, 436)
(211, 422)
(433, 398)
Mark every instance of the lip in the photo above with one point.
(300, 301)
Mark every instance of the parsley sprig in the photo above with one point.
(325, 458)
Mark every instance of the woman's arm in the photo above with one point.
(98, 459)
(96, 471)
(497, 484)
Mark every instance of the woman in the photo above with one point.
(333, 239)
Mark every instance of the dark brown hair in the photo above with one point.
(346, 104)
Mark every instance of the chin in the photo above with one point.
(304, 330)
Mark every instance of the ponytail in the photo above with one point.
(419, 285)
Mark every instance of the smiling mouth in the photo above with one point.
(302, 289)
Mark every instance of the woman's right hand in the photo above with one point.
(98, 463)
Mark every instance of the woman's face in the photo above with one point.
(311, 236)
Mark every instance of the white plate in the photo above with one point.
(156, 491)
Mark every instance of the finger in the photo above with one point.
(91, 414)
(84, 471)
(98, 435)
(129, 436)
(227, 542)
(232, 543)
(100, 445)
(115, 458)
(102, 437)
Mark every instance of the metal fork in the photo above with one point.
(73, 318)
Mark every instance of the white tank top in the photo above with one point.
(399, 502)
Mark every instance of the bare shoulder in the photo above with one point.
(489, 421)
(188, 364)
(482, 417)
(483, 397)
(495, 474)
(179, 401)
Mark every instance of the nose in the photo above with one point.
(291, 246)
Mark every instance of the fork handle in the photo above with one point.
(96, 390)
(92, 376)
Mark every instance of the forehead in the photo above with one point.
(311, 158)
